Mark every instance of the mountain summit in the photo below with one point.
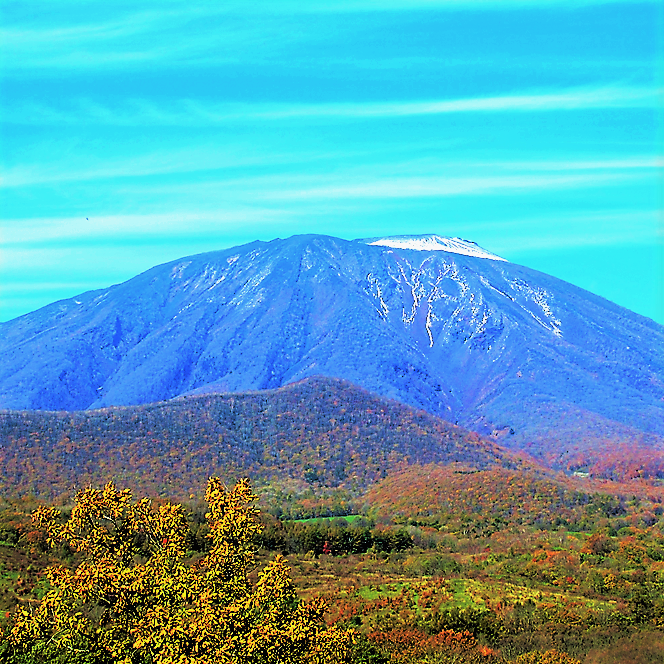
(454, 245)
(436, 323)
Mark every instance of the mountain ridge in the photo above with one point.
(319, 432)
(491, 345)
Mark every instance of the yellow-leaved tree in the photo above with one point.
(134, 597)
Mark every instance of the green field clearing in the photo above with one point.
(332, 520)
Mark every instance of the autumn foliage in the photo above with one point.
(135, 598)
(317, 434)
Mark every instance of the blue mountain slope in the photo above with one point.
(433, 322)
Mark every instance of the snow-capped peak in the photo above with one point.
(454, 245)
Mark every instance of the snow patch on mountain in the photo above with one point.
(454, 245)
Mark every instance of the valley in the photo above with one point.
(463, 458)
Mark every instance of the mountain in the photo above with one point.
(320, 433)
(436, 323)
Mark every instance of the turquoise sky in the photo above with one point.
(134, 133)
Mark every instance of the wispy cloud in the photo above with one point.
(620, 163)
(196, 113)
(128, 37)
(346, 6)
(569, 230)
(426, 187)
(575, 99)
(218, 167)
(23, 235)
(83, 168)
(112, 34)
(397, 5)
(379, 184)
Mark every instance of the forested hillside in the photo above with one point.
(319, 434)
(482, 500)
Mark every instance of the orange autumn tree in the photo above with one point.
(135, 599)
